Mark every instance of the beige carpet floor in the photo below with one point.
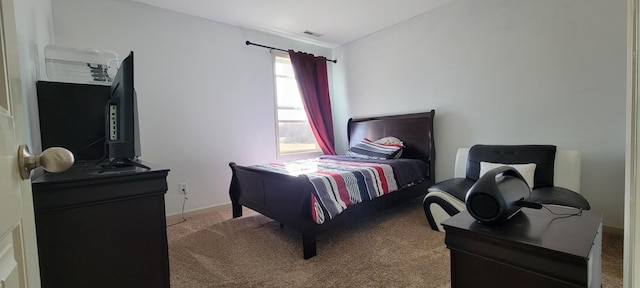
(395, 248)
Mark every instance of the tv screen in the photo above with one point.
(121, 116)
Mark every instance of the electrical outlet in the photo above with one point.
(182, 188)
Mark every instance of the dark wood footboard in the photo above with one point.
(287, 199)
(283, 198)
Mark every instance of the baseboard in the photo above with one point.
(612, 230)
(198, 211)
(227, 207)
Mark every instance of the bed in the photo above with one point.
(289, 199)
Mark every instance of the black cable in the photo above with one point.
(181, 214)
(185, 201)
(564, 215)
(91, 144)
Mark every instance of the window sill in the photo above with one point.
(299, 156)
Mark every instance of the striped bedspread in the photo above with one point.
(341, 181)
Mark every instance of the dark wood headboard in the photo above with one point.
(415, 130)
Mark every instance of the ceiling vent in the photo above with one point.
(312, 33)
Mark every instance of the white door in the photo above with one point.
(13, 271)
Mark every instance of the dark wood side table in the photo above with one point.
(533, 249)
(102, 229)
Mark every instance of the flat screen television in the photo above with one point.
(122, 137)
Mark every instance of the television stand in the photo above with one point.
(102, 230)
(122, 163)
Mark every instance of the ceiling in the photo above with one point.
(336, 21)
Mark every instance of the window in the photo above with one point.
(293, 130)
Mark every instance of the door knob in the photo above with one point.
(54, 159)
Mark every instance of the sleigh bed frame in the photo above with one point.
(287, 199)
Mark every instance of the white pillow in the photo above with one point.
(526, 170)
(389, 141)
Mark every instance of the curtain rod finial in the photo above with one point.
(247, 42)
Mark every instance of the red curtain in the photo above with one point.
(313, 82)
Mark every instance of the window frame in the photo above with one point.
(292, 155)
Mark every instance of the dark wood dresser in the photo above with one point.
(534, 248)
(102, 229)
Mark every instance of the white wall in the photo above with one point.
(503, 72)
(35, 30)
(204, 97)
(495, 71)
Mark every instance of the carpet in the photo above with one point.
(395, 248)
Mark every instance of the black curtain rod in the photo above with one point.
(274, 48)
